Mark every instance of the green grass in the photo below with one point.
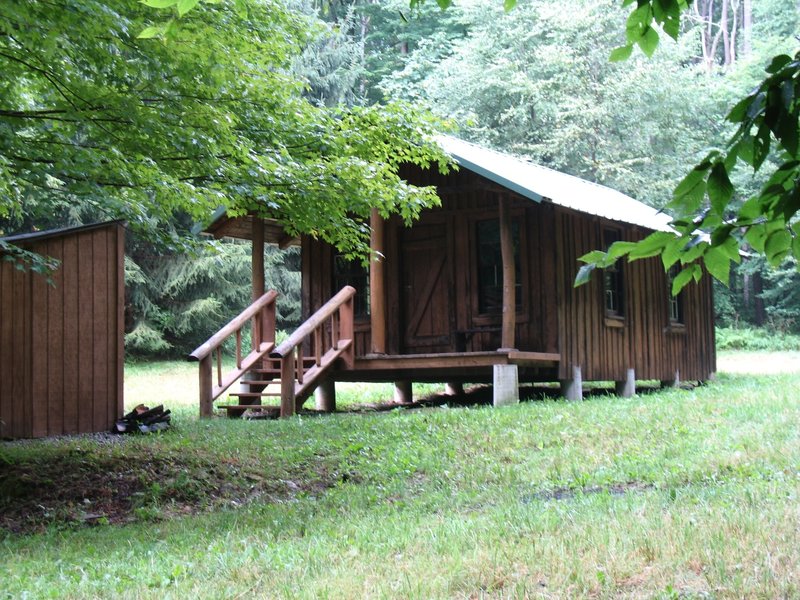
(681, 493)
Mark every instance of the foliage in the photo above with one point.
(704, 201)
(537, 82)
(610, 497)
(144, 130)
(175, 302)
(748, 338)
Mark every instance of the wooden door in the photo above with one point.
(427, 313)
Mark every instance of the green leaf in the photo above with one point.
(621, 53)
(778, 62)
(595, 256)
(720, 188)
(718, 264)
(159, 3)
(242, 8)
(151, 32)
(777, 246)
(739, 111)
(652, 245)
(185, 6)
(672, 252)
(444, 4)
(509, 4)
(648, 42)
(584, 274)
(682, 279)
(689, 193)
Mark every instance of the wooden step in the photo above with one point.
(260, 381)
(253, 394)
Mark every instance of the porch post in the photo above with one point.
(258, 258)
(257, 268)
(509, 277)
(377, 284)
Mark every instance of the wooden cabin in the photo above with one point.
(481, 290)
(61, 343)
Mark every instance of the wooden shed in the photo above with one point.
(61, 343)
(481, 290)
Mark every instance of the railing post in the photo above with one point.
(346, 331)
(287, 384)
(206, 400)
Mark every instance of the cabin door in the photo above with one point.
(426, 303)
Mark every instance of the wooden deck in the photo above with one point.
(449, 366)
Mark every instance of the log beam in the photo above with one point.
(377, 284)
(509, 277)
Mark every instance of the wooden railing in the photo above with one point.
(328, 335)
(261, 314)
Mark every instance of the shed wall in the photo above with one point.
(61, 345)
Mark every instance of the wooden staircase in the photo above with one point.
(291, 371)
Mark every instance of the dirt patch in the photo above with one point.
(80, 487)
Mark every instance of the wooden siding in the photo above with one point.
(434, 265)
(61, 345)
(643, 340)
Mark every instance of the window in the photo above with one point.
(490, 266)
(354, 273)
(613, 285)
(675, 303)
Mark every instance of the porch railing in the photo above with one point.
(328, 336)
(261, 317)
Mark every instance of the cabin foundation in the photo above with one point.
(325, 396)
(505, 385)
(627, 387)
(572, 389)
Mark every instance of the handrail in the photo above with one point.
(329, 332)
(233, 325)
(262, 313)
(313, 322)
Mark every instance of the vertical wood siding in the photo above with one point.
(553, 315)
(61, 345)
(645, 342)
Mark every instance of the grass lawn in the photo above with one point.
(675, 494)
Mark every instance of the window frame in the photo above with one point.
(675, 322)
(613, 282)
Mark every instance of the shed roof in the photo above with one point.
(543, 184)
(21, 238)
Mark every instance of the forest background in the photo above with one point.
(535, 81)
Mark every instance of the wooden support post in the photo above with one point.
(626, 388)
(206, 381)
(257, 264)
(572, 389)
(325, 396)
(377, 284)
(675, 382)
(509, 277)
(402, 392)
(287, 384)
(454, 388)
(257, 270)
(505, 385)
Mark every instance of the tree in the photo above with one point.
(144, 130)
(537, 82)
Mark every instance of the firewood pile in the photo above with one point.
(143, 419)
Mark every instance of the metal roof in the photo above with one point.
(542, 184)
